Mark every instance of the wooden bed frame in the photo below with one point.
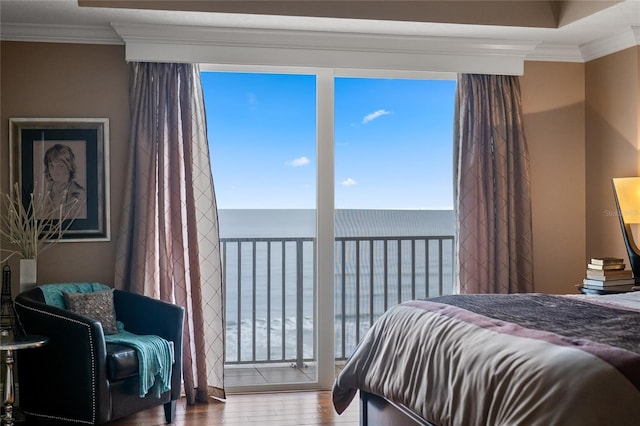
(378, 411)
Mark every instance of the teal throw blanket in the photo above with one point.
(155, 354)
(154, 359)
(53, 292)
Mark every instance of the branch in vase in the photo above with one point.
(36, 227)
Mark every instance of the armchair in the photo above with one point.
(78, 377)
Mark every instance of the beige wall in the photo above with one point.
(582, 128)
(553, 108)
(570, 179)
(68, 80)
(612, 144)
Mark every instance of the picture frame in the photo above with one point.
(45, 152)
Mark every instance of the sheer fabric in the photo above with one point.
(492, 187)
(168, 246)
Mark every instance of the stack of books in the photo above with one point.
(608, 274)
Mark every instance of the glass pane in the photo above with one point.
(394, 220)
(262, 137)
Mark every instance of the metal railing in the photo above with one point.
(385, 271)
(270, 289)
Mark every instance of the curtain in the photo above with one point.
(168, 245)
(492, 187)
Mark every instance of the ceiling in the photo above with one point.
(525, 13)
(573, 30)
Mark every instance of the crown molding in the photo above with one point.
(586, 52)
(350, 50)
(321, 49)
(556, 53)
(59, 34)
(297, 39)
(605, 46)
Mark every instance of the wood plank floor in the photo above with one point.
(257, 409)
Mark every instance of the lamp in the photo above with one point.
(627, 194)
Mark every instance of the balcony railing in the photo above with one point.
(270, 287)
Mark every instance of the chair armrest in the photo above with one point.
(145, 315)
(75, 351)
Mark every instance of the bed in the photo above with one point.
(520, 359)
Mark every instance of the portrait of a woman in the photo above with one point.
(62, 189)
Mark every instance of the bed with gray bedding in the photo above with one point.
(522, 359)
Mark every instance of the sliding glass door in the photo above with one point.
(335, 202)
(394, 222)
(262, 136)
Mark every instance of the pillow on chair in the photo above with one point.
(97, 305)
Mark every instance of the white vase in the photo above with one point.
(28, 274)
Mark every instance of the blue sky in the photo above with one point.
(393, 141)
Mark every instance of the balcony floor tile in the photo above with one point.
(247, 375)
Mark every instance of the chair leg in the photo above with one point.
(170, 411)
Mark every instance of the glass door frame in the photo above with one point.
(325, 235)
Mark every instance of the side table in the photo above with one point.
(9, 344)
(601, 292)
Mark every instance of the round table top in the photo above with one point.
(21, 342)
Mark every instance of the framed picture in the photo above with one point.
(65, 162)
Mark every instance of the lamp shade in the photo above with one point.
(627, 195)
(627, 191)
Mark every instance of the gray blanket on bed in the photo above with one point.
(568, 317)
(501, 360)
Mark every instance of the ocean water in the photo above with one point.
(270, 271)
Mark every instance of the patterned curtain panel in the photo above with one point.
(168, 246)
(492, 187)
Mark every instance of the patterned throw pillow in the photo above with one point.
(97, 305)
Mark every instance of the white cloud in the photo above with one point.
(374, 115)
(252, 99)
(302, 161)
(348, 182)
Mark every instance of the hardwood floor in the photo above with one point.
(256, 409)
